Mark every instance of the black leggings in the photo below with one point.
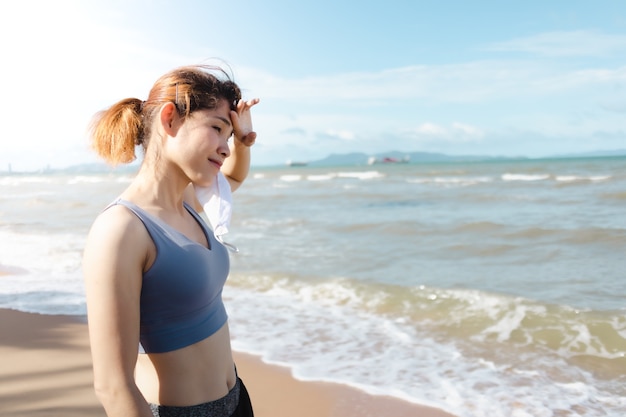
(237, 399)
(244, 406)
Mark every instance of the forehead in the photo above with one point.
(221, 112)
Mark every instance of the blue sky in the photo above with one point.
(531, 78)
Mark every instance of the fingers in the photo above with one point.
(243, 105)
(242, 122)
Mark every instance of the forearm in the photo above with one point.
(237, 166)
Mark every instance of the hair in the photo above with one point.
(116, 131)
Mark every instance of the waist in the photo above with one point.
(195, 374)
(224, 406)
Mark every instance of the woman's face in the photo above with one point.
(201, 143)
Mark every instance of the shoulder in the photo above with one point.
(118, 236)
(117, 221)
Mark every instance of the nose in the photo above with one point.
(224, 149)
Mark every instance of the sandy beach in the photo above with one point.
(45, 370)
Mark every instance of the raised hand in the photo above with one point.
(242, 122)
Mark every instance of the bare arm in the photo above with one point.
(237, 165)
(113, 261)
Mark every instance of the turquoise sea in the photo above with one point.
(493, 289)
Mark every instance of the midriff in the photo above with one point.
(195, 374)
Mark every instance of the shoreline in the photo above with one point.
(45, 370)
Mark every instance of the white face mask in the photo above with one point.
(217, 202)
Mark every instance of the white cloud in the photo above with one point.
(564, 43)
(467, 131)
(340, 134)
(455, 132)
(431, 129)
(468, 82)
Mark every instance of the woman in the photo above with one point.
(154, 271)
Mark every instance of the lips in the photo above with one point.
(216, 162)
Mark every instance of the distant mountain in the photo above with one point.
(98, 168)
(358, 158)
(354, 158)
(615, 152)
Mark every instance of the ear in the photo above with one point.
(169, 118)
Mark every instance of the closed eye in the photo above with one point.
(219, 129)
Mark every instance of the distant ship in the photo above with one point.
(388, 160)
(291, 163)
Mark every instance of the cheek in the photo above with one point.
(183, 151)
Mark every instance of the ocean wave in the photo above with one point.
(96, 179)
(321, 177)
(577, 178)
(463, 181)
(291, 177)
(361, 175)
(18, 180)
(61, 180)
(620, 196)
(596, 235)
(525, 177)
(42, 273)
(450, 348)
(479, 227)
(468, 314)
(317, 177)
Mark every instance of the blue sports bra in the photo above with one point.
(181, 294)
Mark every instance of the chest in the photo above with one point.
(185, 276)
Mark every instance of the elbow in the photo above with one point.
(104, 392)
(234, 182)
(110, 393)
